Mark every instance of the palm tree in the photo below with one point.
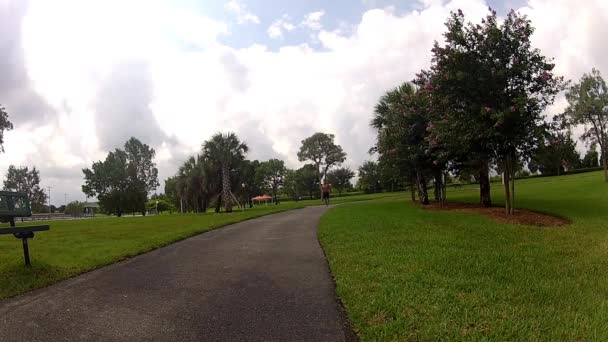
(191, 183)
(226, 151)
(401, 119)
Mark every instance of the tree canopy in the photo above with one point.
(226, 151)
(272, 173)
(123, 180)
(340, 179)
(322, 152)
(22, 179)
(588, 106)
(5, 125)
(481, 102)
(369, 177)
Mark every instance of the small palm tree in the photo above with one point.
(226, 151)
(191, 183)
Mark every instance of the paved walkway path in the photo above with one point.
(263, 279)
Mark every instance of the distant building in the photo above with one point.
(90, 208)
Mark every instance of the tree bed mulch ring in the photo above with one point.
(521, 216)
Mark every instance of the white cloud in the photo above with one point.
(313, 20)
(272, 98)
(243, 16)
(279, 27)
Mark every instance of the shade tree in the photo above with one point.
(591, 158)
(321, 151)
(588, 106)
(369, 177)
(124, 179)
(340, 179)
(491, 88)
(26, 180)
(272, 175)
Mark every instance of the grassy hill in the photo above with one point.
(405, 273)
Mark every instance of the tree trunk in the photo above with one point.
(445, 187)
(509, 162)
(438, 190)
(413, 181)
(507, 185)
(199, 204)
(226, 189)
(513, 184)
(205, 203)
(485, 199)
(218, 205)
(422, 190)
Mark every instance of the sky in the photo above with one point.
(79, 77)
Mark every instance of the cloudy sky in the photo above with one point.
(79, 77)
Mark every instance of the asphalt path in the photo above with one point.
(263, 279)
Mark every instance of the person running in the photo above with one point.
(325, 189)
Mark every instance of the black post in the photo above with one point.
(26, 252)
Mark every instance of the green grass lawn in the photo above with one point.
(404, 273)
(73, 247)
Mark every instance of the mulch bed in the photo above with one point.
(521, 216)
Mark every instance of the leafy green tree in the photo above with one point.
(160, 203)
(369, 177)
(491, 87)
(322, 152)
(5, 125)
(588, 106)
(292, 184)
(171, 191)
(308, 180)
(123, 180)
(591, 158)
(402, 118)
(555, 155)
(340, 179)
(226, 151)
(272, 173)
(391, 175)
(250, 183)
(23, 179)
(108, 181)
(74, 208)
(142, 173)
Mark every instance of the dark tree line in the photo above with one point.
(221, 175)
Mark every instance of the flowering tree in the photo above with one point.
(491, 87)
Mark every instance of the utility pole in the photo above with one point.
(65, 199)
(49, 198)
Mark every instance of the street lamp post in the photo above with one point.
(49, 199)
(243, 185)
